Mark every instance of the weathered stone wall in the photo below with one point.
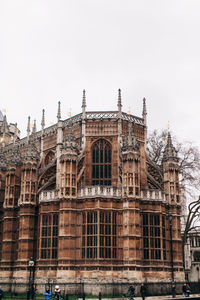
(93, 288)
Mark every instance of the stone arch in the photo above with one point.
(49, 157)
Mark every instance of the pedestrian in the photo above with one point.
(188, 291)
(57, 295)
(47, 294)
(131, 292)
(184, 290)
(173, 289)
(143, 291)
(1, 294)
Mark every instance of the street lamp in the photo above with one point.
(171, 245)
(31, 265)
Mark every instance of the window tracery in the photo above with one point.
(154, 240)
(99, 235)
(101, 163)
(49, 236)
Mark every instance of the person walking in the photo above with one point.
(131, 292)
(173, 290)
(184, 290)
(47, 294)
(1, 294)
(188, 291)
(143, 291)
(57, 295)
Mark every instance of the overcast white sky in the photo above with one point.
(51, 50)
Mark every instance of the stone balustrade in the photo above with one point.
(152, 195)
(102, 191)
(51, 195)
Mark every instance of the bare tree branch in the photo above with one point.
(189, 159)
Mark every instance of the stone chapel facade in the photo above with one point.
(84, 199)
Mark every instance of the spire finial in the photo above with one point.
(169, 151)
(84, 100)
(28, 127)
(15, 133)
(169, 140)
(4, 124)
(34, 127)
(59, 112)
(144, 111)
(168, 126)
(43, 120)
(119, 104)
(84, 105)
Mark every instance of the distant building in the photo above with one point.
(85, 200)
(192, 256)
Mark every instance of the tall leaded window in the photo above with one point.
(154, 243)
(108, 237)
(101, 163)
(99, 235)
(49, 237)
(89, 232)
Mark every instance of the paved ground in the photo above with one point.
(196, 296)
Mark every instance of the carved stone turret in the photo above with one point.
(10, 218)
(13, 177)
(29, 176)
(171, 172)
(68, 161)
(27, 202)
(130, 164)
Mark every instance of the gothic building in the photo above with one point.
(84, 199)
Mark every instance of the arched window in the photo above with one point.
(101, 163)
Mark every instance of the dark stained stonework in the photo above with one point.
(84, 199)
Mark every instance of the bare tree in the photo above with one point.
(189, 159)
(191, 224)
